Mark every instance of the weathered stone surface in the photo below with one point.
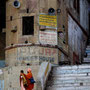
(69, 78)
(11, 76)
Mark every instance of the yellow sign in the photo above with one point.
(48, 20)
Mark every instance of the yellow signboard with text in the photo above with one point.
(48, 20)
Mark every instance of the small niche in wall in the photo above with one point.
(28, 64)
(63, 27)
(11, 44)
(26, 42)
(11, 17)
(27, 10)
(14, 29)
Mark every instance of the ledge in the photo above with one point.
(31, 44)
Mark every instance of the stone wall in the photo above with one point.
(33, 55)
(77, 40)
(15, 39)
(84, 14)
(14, 19)
(11, 76)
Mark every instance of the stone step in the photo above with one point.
(69, 84)
(71, 78)
(75, 77)
(78, 71)
(87, 51)
(88, 54)
(71, 75)
(69, 88)
(87, 59)
(68, 80)
(71, 67)
(88, 46)
(62, 84)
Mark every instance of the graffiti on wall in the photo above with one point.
(36, 53)
(27, 53)
(47, 54)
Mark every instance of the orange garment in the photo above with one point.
(30, 86)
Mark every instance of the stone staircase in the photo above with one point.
(69, 78)
(87, 56)
(87, 53)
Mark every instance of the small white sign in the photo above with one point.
(48, 37)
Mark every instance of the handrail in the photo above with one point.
(63, 51)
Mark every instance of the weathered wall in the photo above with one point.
(14, 39)
(76, 40)
(44, 5)
(16, 15)
(31, 54)
(70, 5)
(36, 7)
(84, 14)
(11, 76)
(62, 29)
(62, 23)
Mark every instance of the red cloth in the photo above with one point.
(21, 81)
(21, 78)
(30, 86)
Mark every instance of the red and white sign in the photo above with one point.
(48, 37)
